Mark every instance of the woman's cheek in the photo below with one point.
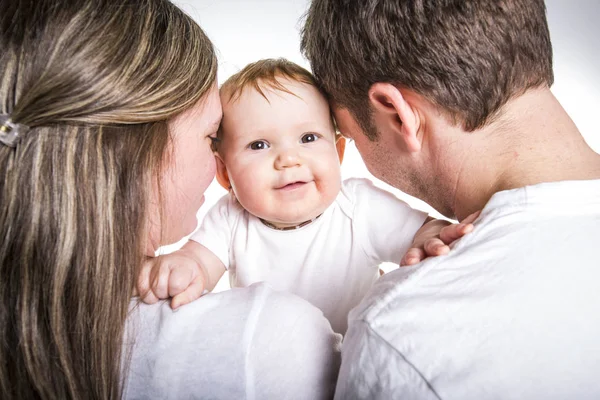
(209, 172)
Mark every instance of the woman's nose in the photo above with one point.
(286, 159)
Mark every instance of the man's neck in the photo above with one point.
(532, 141)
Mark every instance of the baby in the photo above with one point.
(289, 219)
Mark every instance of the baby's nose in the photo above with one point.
(287, 158)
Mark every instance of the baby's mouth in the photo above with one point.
(292, 185)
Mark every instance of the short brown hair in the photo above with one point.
(467, 57)
(265, 73)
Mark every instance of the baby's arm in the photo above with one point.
(183, 275)
(433, 238)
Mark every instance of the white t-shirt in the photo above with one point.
(331, 262)
(513, 312)
(250, 343)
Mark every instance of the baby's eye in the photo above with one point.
(309, 137)
(259, 145)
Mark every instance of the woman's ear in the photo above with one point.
(222, 175)
(340, 145)
(392, 113)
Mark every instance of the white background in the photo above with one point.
(244, 31)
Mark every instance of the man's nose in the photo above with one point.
(287, 158)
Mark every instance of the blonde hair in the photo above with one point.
(97, 82)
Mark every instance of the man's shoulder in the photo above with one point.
(424, 282)
(386, 291)
(487, 302)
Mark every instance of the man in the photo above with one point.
(450, 101)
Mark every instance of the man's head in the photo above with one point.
(278, 148)
(465, 59)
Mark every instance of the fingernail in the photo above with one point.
(440, 249)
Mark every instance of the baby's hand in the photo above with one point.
(434, 237)
(175, 275)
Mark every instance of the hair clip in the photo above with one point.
(9, 131)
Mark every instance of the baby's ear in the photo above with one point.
(222, 176)
(340, 145)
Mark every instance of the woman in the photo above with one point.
(107, 109)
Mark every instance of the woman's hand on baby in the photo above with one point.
(434, 238)
(175, 275)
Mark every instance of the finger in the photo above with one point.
(450, 233)
(143, 281)
(435, 247)
(193, 292)
(143, 284)
(413, 256)
(160, 281)
(179, 279)
(471, 218)
(150, 297)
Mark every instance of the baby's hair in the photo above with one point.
(266, 73)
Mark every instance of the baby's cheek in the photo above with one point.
(331, 191)
(330, 175)
(252, 198)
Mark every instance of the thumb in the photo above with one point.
(194, 291)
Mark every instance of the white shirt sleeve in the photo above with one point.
(216, 228)
(371, 369)
(386, 223)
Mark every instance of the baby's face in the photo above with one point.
(280, 154)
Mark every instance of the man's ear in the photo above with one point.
(392, 113)
(222, 175)
(340, 145)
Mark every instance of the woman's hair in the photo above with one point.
(467, 57)
(96, 82)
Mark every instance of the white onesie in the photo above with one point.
(331, 262)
